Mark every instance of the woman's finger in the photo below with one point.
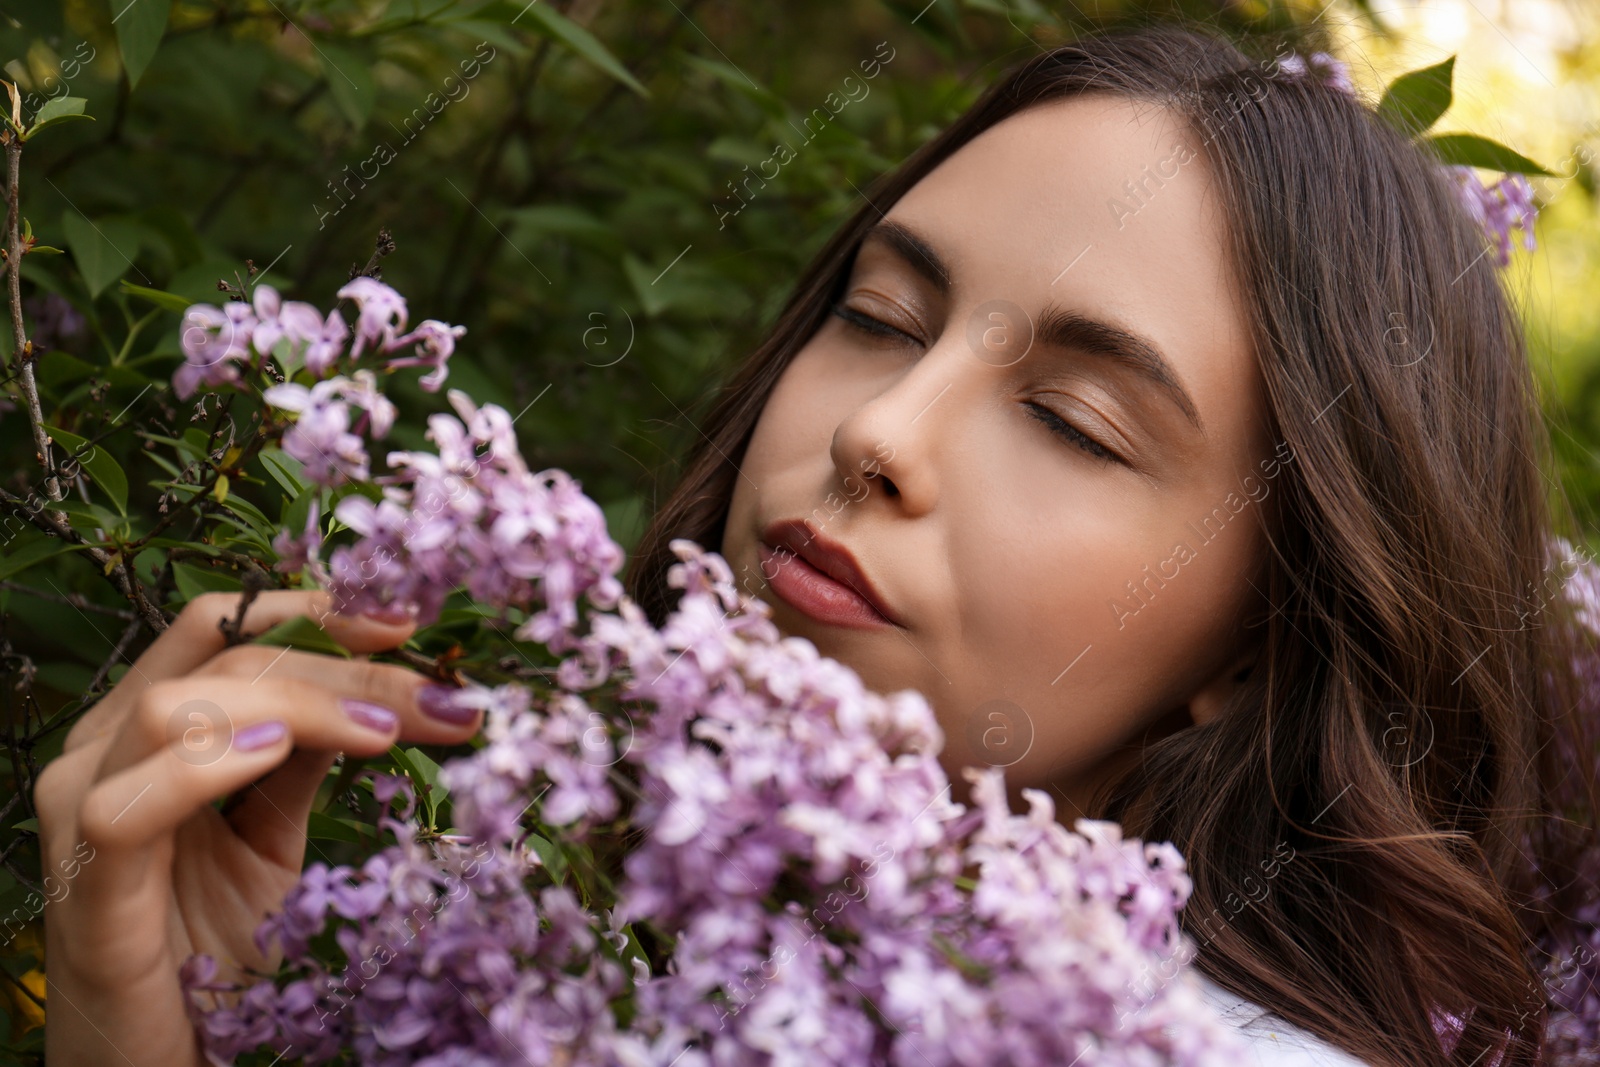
(130, 808)
(427, 714)
(127, 823)
(200, 719)
(195, 636)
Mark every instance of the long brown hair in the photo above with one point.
(1388, 778)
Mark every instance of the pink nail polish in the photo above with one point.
(390, 613)
(372, 716)
(259, 735)
(438, 702)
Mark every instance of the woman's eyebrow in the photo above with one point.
(917, 253)
(1062, 329)
(1057, 328)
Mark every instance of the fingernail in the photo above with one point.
(372, 716)
(259, 735)
(391, 613)
(438, 702)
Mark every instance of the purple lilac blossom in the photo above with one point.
(469, 518)
(1499, 208)
(216, 341)
(823, 898)
(55, 320)
(381, 313)
(320, 437)
(436, 342)
(1327, 69)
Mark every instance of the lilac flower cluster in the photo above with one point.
(447, 959)
(792, 845)
(1322, 67)
(218, 341)
(765, 782)
(1499, 208)
(470, 516)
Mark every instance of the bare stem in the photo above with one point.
(76, 600)
(120, 651)
(23, 351)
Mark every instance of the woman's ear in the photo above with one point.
(1212, 698)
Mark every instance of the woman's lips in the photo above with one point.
(812, 593)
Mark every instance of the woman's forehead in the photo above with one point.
(1105, 206)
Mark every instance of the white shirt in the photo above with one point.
(1272, 1041)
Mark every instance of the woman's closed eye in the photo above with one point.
(1068, 432)
(878, 329)
(861, 321)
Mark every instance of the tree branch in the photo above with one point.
(71, 599)
(115, 565)
(22, 353)
(119, 652)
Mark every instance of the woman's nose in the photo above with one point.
(895, 437)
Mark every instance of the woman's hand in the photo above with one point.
(160, 872)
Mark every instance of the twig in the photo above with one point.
(120, 651)
(383, 246)
(71, 599)
(116, 567)
(22, 353)
(20, 877)
(12, 749)
(255, 580)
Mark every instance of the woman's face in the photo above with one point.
(1036, 424)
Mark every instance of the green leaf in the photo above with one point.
(48, 250)
(419, 781)
(103, 250)
(104, 471)
(653, 291)
(737, 81)
(549, 856)
(1415, 100)
(140, 26)
(295, 512)
(488, 30)
(30, 825)
(300, 632)
(430, 773)
(560, 28)
(1470, 150)
(251, 514)
(320, 827)
(349, 80)
(86, 518)
(35, 552)
(158, 297)
(192, 580)
(56, 111)
(285, 470)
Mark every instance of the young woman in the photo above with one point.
(1164, 424)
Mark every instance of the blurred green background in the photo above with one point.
(558, 177)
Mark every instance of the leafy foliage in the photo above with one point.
(562, 176)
